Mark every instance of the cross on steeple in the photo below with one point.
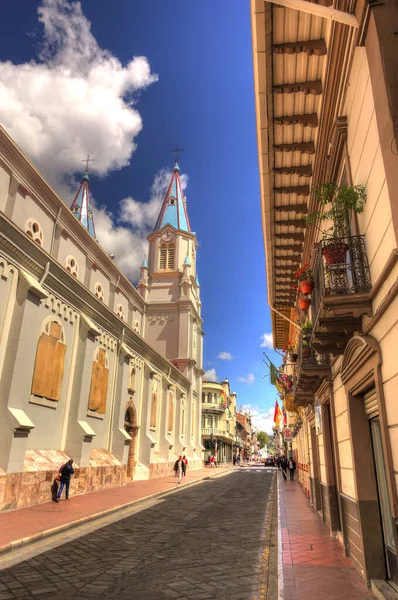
(176, 151)
(87, 160)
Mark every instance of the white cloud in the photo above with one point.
(225, 356)
(250, 378)
(77, 99)
(267, 341)
(210, 375)
(262, 419)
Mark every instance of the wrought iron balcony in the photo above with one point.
(341, 292)
(213, 407)
(311, 369)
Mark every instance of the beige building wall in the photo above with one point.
(36, 288)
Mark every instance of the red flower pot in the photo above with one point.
(306, 286)
(335, 252)
(304, 303)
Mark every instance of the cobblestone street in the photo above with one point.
(214, 540)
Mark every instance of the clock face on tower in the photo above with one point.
(167, 236)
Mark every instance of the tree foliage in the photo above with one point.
(263, 439)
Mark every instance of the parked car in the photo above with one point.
(269, 461)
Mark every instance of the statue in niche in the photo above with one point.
(154, 404)
(99, 383)
(49, 365)
(131, 426)
(170, 413)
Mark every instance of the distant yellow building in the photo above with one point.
(326, 92)
(218, 420)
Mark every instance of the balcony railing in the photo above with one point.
(213, 407)
(341, 268)
(311, 368)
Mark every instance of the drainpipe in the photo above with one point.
(46, 272)
(54, 229)
(70, 383)
(113, 399)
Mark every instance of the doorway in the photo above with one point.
(384, 500)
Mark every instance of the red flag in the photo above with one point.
(277, 413)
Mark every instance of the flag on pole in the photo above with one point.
(284, 415)
(277, 413)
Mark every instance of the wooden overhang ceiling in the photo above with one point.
(290, 60)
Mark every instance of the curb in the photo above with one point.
(96, 516)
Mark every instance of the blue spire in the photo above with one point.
(174, 211)
(144, 263)
(197, 280)
(82, 207)
(186, 261)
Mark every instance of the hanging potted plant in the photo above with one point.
(306, 279)
(306, 349)
(343, 200)
(304, 303)
(292, 356)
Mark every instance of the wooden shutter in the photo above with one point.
(170, 257)
(49, 365)
(154, 408)
(371, 405)
(99, 384)
(163, 256)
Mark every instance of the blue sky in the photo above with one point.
(193, 87)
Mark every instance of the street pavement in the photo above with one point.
(215, 540)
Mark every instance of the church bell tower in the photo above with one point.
(170, 285)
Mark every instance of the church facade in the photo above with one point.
(92, 367)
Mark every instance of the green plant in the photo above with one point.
(306, 326)
(343, 200)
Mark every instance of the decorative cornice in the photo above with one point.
(303, 147)
(305, 120)
(302, 171)
(316, 47)
(307, 87)
(300, 190)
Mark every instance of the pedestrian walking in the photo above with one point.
(292, 468)
(278, 462)
(185, 461)
(284, 467)
(178, 468)
(65, 473)
(238, 460)
(211, 461)
(234, 460)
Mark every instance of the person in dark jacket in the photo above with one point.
(284, 467)
(292, 468)
(65, 474)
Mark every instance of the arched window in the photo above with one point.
(154, 404)
(99, 291)
(209, 397)
(203, 397)
(167, 257)
(99, 382)
(33, 230)
(71, 265)
(120, 311)
(50, 358)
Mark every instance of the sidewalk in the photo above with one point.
(314, 566)
(26, 525)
